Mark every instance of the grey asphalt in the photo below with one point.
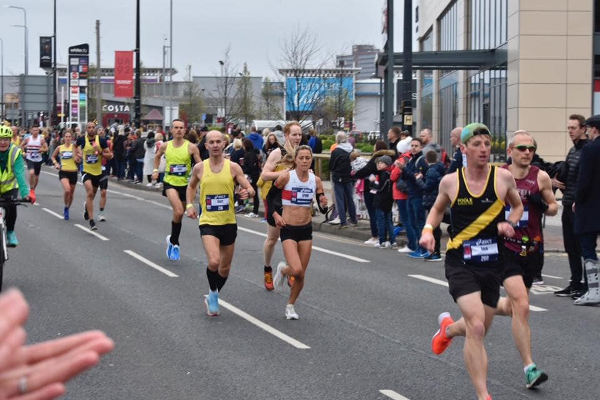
(368, 325)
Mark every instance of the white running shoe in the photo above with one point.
(290, 313)
(405, 249)
(150, 184)
(101, 216)
(372, 241)
(278, 278)
(335, 221)
(385, 245)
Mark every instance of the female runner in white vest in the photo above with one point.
(299, 187)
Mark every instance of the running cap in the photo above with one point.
(473, 129)
(593, 121)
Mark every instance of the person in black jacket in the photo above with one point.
(119, 152)
(252, 169)
(570, 171)
(343, 184)
(587, 218)
(381, 184)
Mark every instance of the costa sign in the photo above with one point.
(115, 108)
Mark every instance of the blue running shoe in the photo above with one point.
(169, 247)
(12, 239)
(175, 253)
(398, 230)
(534, 377)
(416, 254)
(66, 213)
(212, 303)
(425, 254)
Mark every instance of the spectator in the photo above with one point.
(403, 145)
(363, 173)
(566, 181)
(119, 152)
(256, 139)
(150, 147)
(202, 143)
(429, 144)
(383, 202)
(163, 161)
(251, 168)
(315, 142)
(339, 165)
(416, 214)
(139, 152)
(270, 144)
(278, 132)
(393, 136)
(459, 159)
(401, 197)
(429, 184)
(237, 155)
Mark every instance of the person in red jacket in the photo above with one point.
(401, 199)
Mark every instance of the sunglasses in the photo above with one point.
(523, 148)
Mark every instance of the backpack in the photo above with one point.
(251, 163)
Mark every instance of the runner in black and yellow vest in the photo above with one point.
(474, 258)
(67, 169)
(178, 154)
(16, 139)
(217, 177)
(91, 149)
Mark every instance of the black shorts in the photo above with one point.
(70, 175)
(225, 233)
(94, 178)
(104, 181)
(465, 279)
(181, 191)
(36, 166)
(296, 233)
(528, 266)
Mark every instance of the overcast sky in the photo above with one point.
(202, 30)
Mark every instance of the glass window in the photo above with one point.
(489, 23)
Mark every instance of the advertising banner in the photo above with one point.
(305, 93)
(45, 51)
(79, 62)
(124, 74)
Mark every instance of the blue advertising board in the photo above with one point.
(304, 93)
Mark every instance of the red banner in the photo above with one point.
(124, 74)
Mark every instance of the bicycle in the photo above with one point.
(3, 240)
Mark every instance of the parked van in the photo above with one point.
(271, 124)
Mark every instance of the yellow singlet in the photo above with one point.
(67, 162)
(179, 164)
(92, 162)
(216, 196)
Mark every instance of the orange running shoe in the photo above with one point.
(269, 280)
(440, 342)
(290, 281)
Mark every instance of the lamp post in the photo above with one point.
(26, 36)
(2, 74)
(224, 93)
(340, 111)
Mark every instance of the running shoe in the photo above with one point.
(212, 303)
(433, 257)
(405, 249)
(417, 254)
(372, 241)
(169, 247)
(93, 226)
(335, 221)
(278, 278)
(385, 245)
(534, 377)
(263, 220)
(11, 238)
(101, 216)
(566, 292)
(269, 280)
(290, 281)
(66, 213)
(175, 256)
(290, 313)
(85, 213)
(440, 342)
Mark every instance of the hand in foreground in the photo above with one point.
(279, 221)
(505, 229)
(191, 212)
(427, 241)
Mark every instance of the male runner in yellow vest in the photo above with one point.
(217, 177)
(178, 154)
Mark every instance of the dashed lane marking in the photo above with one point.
(335, 253)
(393, 395)
(263, 326)
(99, 236)
(53, 213)
(443, 283)
(151, 264)
(552, 276)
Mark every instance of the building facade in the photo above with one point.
(548, 74)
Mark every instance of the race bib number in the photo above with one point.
(480, 250)
(178, 170)
(524, 221)
(302, 196)
(91, 158)
(66, 155)
(217, 202)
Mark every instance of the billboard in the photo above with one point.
(79, 64)
(124, 74)
(45, 51)
(304, 93)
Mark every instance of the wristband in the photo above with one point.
(512, 224)
(155, 170)
(428, 227)
(187, 206)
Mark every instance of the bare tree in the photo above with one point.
(226, 86)
(269, 108)
(244, 105)
(194, 104)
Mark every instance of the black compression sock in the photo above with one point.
(221, 282)
(268, 269)
(175, 231)
(213, 279)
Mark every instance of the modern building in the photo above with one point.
(363, 56)
(511, 64)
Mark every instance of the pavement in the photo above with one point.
(552, 232)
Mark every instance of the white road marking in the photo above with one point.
(53, 213)
(393, 395)
(443, 283)
(92, 232)
(552, 276)
(263, 326)
(156, 203)
(125, 194)
(335, 253)
(151, 264)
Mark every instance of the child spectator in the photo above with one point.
(382, 185)
(429, 184)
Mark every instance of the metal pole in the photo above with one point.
(407, 68)
(98, 75)
(54, 77)
(389, 72)
(164, 85)
(2, 108)
(138, 82)
(26, 43)
(171, 63)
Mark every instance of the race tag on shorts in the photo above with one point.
(178, 170)
(524, 221)
(302, 196)
(480, 250)
(217, 202)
